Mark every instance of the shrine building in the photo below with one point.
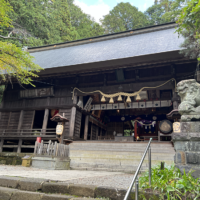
(116, 88)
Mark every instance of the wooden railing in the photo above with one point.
(35, 132)
(51, 149)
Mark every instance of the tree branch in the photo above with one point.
(4, 37)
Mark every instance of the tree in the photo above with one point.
(14, 62)
(84, 24)
(123, 17)
(189, 27)
(156, 12)
(41, 22)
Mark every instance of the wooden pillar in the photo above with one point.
(73, 118)
(72, 122)
(45, 121)
(19, 146)
(1, 145)
(97, 132)
(101, 131)
(86, 127)
(91, 131)
(20, 120)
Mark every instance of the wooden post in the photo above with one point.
(1, 145)
(91, 131)
(86, 127)
(72, 122)
(97, 132)
(45, 121)
(19, 146)
(101, 131)
(20, 120)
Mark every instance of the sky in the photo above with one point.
(99, 8)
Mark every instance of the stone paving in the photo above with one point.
(98, 178)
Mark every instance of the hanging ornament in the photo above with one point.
(111, 100)
(103, 99)
(138, 98)
(128, 100)
(119, 98)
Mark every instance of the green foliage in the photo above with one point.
(14, 62)
(171, 184)
(5, 8)
(127, 132)
(189, 27)
(42, 21)
(123, 17)
(85, 26)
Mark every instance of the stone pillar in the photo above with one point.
(186, 138)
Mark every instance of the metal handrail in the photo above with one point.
(135, 178)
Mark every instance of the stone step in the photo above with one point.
(121, 157)
(124, 150)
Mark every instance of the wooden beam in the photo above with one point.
(86, 127)
(19, 146)
(45, 121)
(72, 122)
(97, 132)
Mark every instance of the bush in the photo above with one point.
(170, 184)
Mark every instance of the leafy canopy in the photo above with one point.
(189, 27)
(123, 17)
(14, 62)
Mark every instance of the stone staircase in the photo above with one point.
(117, 157)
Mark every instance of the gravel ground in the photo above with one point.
(98, 178)
(121, 181)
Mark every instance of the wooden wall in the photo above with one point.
(62, 98)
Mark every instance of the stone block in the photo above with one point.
(194, 136)
(11, 182)
(51, 187)
(192, 158)
(51, 163)
(31, 184)
(180, 136)
(111, 193)
(82, 190)
(25, 195)
(180, 158)
(56, 197)
(185, 127)
(6, 193)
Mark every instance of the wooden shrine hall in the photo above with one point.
(117, 63)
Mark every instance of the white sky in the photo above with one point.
(99, 8)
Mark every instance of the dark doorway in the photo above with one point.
(38, 120)
(51, 124)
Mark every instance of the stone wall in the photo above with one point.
(187, 147)
(12, 158)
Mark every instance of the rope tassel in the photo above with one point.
(111, 100)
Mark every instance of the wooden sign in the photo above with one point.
(177, 127)
(59, 129)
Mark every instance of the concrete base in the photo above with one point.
(187, 147)
(51, 163)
